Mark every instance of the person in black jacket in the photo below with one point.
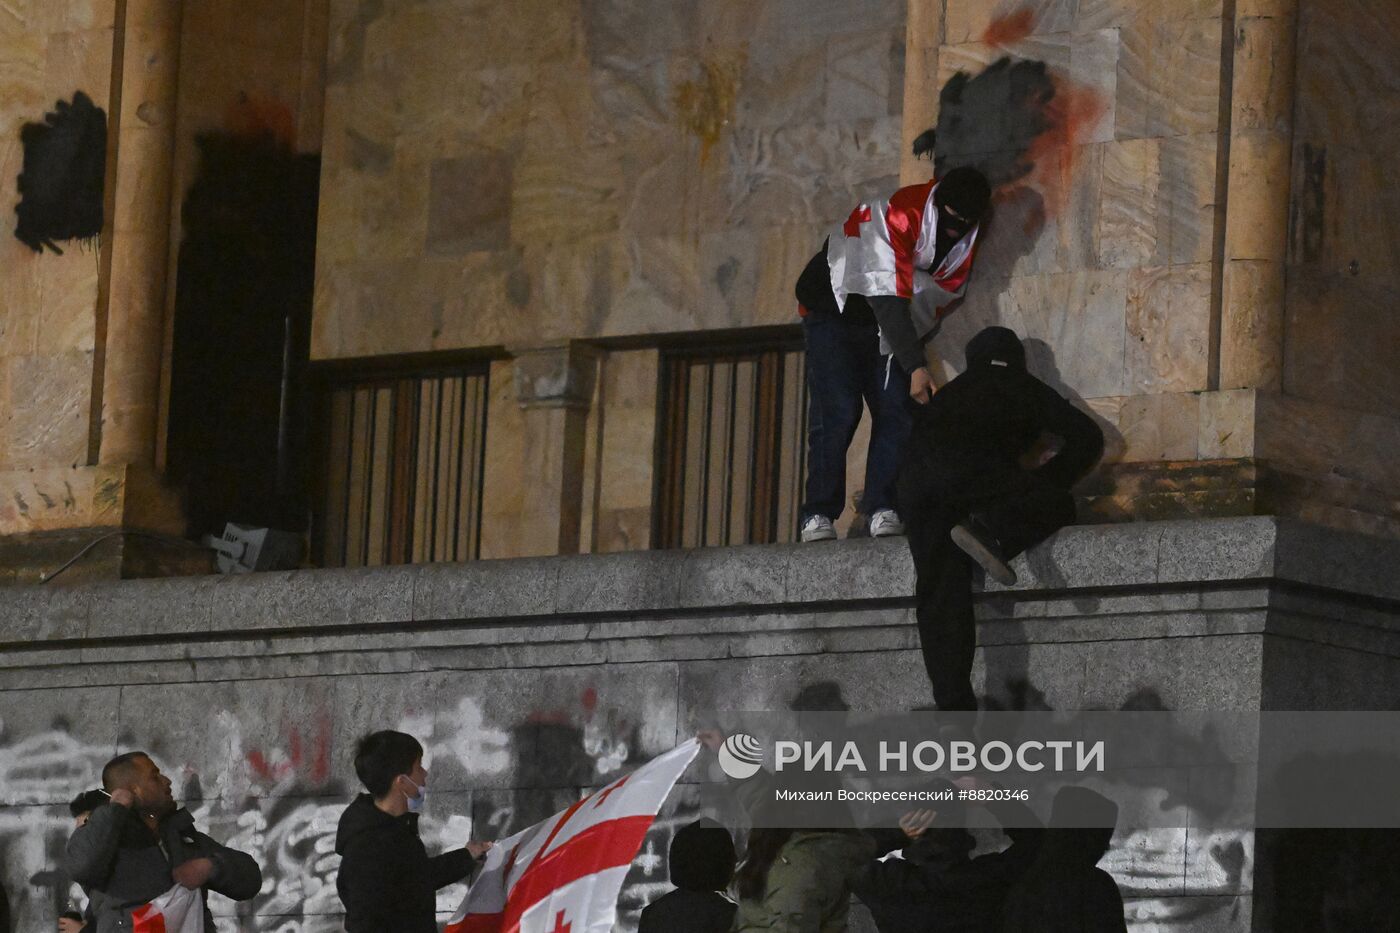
(936, 885)
(1064, 890)
(702, 864)
(966, 493)
(141, 843)
(387, 882)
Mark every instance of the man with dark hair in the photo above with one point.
(702, 863)
(969, 498)
(138, 845)
(865, 331)
(387, 882)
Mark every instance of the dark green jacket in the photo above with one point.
(809, 885)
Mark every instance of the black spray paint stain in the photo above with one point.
(991, 120)
(60, 186)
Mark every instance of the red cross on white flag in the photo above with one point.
(564, 875)
(179, 910)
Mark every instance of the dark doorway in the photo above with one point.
(237, 430)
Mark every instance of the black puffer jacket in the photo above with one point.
(936, 887)
(387, 882)
(122, 864)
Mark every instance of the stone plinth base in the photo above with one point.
(48, 516)
(532, 680)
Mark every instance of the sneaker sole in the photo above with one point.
(886, 532)
(972, 547)
(826, 534)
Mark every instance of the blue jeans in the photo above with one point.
(844, 368)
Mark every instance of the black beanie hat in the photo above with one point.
(702, 857)
(996, 346)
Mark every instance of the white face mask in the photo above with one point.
(415, 804)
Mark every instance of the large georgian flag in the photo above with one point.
(564, 875)
(179, 910)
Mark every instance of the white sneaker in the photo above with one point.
(885, 523)
(818, 528)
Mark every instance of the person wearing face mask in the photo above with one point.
(864, 332)
(140, 843)
(387, 880)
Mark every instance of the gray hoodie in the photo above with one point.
(122, 864)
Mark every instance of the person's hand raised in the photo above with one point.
(916, 821)
(710, 738)
(122, 797)
(478, 849)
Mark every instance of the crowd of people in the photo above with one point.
(131, 842)
(961, 469)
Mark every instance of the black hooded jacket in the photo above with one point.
(1064, 890)
(387, 881)
(989, 416)
(936, 886)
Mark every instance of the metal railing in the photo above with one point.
(731, 446)
(402, 459)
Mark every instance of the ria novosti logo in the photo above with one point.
(741, 756)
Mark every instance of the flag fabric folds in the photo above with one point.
(564, 875)
(179, 910)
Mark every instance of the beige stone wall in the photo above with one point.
(644, 168)
(1103, 255)
(48, 51)
(502, 173)
(1342, 339)
(1340, 420)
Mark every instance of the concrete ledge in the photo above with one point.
(1099, 559)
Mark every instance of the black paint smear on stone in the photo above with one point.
(245, 275)
(60, 185)
(991, 120)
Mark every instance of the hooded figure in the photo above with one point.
(702, 863)
(936, 885)
(967, 497)
(1065, 891)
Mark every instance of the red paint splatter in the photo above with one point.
(1011, 28)
(1071, 115)
(259, 764)
(255, 115)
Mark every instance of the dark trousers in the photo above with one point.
(844, 368)
(1020, 508)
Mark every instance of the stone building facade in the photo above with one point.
(1195, 222)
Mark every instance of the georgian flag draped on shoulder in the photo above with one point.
(886, 247)
(564, 875)
(179, 910)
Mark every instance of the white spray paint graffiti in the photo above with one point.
(280, 804)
